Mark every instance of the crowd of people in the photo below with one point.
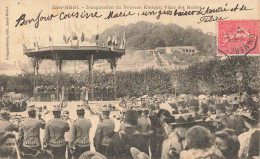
(13, 105)
(187, 128)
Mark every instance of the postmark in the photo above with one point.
(238, 38)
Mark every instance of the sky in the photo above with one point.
(55, 28)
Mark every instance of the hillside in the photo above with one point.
(146, 35)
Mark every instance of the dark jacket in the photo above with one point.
(121, 143)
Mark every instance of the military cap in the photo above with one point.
(80, 108)
(56, 108)
(31, 108)
(105, 109)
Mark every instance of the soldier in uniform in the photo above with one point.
(54, 134)
(79, 140)
(5, 124)
(29, 134)
(104, 132)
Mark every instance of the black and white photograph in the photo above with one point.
(129, 79)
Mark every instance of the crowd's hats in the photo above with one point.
(185, 119)
(56, 108)
(80, 108)
(251, 114)
(152, 107)
(31, 108)
(211, 102)
(131, 115)
(92, 155)
(221, 106)
(5, 112)
(181, 103)
(212, 109)
(173, 105)
(145, 109)
(138, 109)
(184, 111)
(137, 154)
(105, 109)
(204, 106)
(193, 103)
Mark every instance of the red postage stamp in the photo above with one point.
(238, 38)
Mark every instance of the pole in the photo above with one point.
(175, 93)
(114, 71)
(239, 89)
(90, 67)
(57, 81)
(37, 73)
(34, 82)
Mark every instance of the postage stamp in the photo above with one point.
(236, 38)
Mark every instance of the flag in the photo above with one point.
(114, 41)
(35, 42)
(68, 40)
(65, 39)
(65, 35)
(50, 39)
(97, 37)
(23, 41)
(82, 37)
(109, 41)
(123, 40)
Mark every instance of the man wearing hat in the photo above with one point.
(251, 120)
(143, 125)
(176, 142)
(29, 133)
(5, 124)
(104, 132)
(123, 140)
(92, 155)
(79, 140)
(54, 134)
(122, 118)
(193, 105)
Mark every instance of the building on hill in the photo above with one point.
(190, 50)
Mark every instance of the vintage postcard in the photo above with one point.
(129, 79)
